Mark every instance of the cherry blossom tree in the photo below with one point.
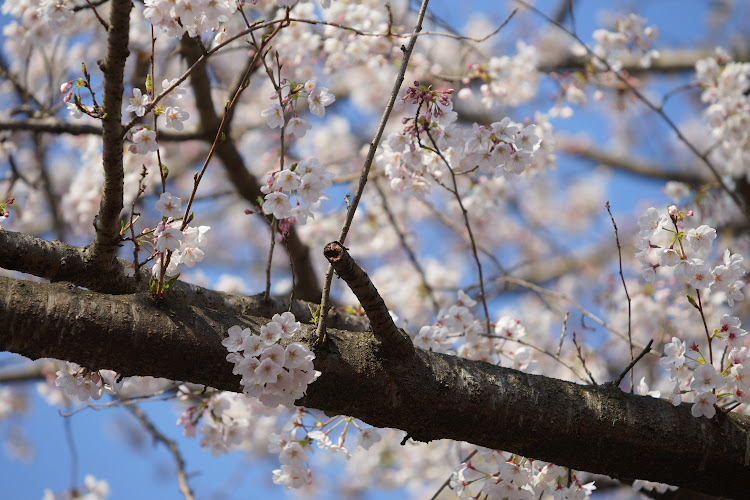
(201, 205)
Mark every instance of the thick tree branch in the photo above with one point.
(104, 249)
(57, 261)
(429, 395)
(638, 167)
(669, 61)
(55, 126)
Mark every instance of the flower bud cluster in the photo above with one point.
(631, 35)
(273, 374)
(293, 445)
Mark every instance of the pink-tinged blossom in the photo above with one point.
(169, 206)
(705, 379)
(271, 333)
(175, 118)
(233, 342)
(652, 223)
(674, 354)
(734, 292)
(286, 180)
(703, 406)
(739, 377)
(700, 238)
(277, 204)
(731, 331)
(297, 126)
(75, 111)
(669, 257)
(297, 355)
(145, 141)
(137, 104)
(699, 276)
(509, 327)
(318, 99)
(169, 239)
(274, 115)
(505, 130)
(267, 372)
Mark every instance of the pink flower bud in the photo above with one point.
(65, 87)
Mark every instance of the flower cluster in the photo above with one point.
(490, 473)
(631, 35)
(457, 321)
(185, 244)
(676, 240)
(293, 445)
(725, 84)
(270, 372)
(82, 382)
(707, 385)
(507, 80)
(93, 489)
(305, 181)
(193, 17)
(317, 100)
(175, 116)
(431, 143)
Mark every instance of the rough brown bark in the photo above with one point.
(431, 396)
(104, 249)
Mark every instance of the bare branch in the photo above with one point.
(393, 341)
(171, 446)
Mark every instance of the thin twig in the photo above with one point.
(448, 481)
(269, 261)
(98, 17)
(407, 50)
(632, 364)
(562, 333)
(625, 286)
(583, 361)
(407, 249)
(562, 296)
(73, 451)
(171, 446)
(467, 224)
(556, 357)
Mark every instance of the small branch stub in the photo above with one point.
(394, 343)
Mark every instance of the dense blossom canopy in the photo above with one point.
(186, 162)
